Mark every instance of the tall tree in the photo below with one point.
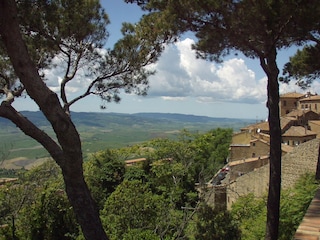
(258, 29)
(32, 34)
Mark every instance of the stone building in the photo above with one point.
(289, 102)
(296, 135)
(310, 102)
(248, 163)
(252, 175)
(298, 101)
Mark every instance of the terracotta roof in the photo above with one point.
(260, 125)
(310, 98)
(298, 131)
(291, 95)
(296, 113)
(284, 121)
(264, 126)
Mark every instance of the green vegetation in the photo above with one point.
(153, 199)
(250, 212)
(149, 200)
(100, 131)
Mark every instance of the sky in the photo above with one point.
(236, 88)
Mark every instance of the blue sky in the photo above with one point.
(183, 84)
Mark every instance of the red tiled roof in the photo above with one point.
(296, 113)
(264, 126)
(291, 95)
(298, 131)
(310, 98)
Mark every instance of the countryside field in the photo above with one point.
(99, 131)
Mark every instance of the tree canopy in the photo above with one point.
(303, 67)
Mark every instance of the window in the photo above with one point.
(253, 154)
(284, 103)
(253, 144)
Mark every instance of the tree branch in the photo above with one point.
(8, 112)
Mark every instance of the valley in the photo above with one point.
(100, 131)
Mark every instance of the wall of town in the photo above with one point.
(303, 159)
(253, 176)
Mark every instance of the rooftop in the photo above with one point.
(297, 113)
(292, 95)
(310, 98)
(298, 131)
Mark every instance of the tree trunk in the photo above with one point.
(273, 203)
(67, 153)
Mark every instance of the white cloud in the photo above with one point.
(180, 74)
(173, 98)
(292, 87)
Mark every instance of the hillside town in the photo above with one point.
(247, 169)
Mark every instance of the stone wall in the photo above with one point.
(302, 160)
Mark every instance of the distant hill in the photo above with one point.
(92, 119)
(190, 118)
(99, 131)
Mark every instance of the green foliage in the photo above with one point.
(131, 206)
(140, 234)
(36, 207)
(201, 153)
(54, 28)
(50, 217)
(250, 212)
(302, 66)
(295, 203)
(103, 172)
(9, 173)
(215, 225)
(150, 200)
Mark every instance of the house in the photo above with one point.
(256, 147)
(263, 127)
(250, 148)
(296, 135)
(302, 117)
(289, 102)
(310, 102)
(298, 101)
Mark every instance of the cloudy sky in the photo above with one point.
(235, 88)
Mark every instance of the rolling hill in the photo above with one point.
(100, 131)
